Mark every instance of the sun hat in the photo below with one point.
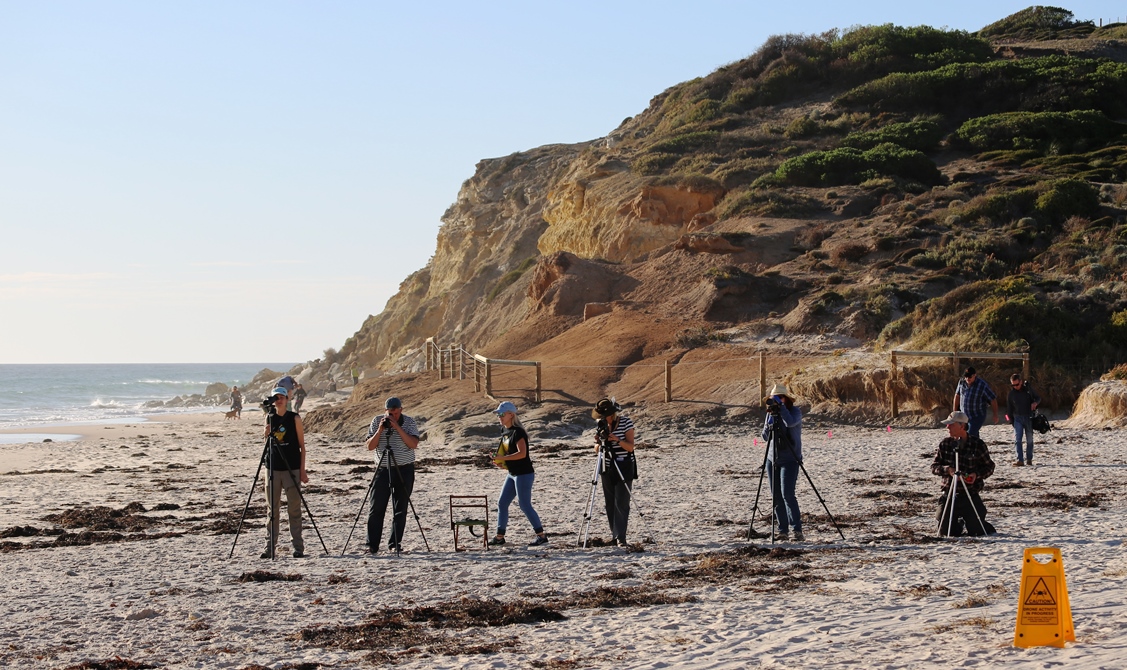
(779, 389)
(505, 407)
(280, 391)
(956, 417)
(606, 407)
(392, 403)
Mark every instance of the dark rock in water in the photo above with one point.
(48, 440)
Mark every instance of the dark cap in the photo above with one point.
(969, 372)
(392, 403)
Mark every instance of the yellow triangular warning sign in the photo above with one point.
(1044, 616)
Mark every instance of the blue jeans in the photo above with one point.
(976, 421)
(520, 487)
(782, 493)
(1023, 424)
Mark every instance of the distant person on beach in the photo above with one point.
(619, 467)
(287, 465)
(974, 466)
(396, 436)
(1021, 403)
(332, 385)
(298, 398)
(972, 397)
(287, 383)
(355, 376)
(784, 459)
(237, 402)
(512, 454)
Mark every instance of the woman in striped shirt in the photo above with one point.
(615, 436)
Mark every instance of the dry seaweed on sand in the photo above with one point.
(104, 518)
(115, 663)
(722, 566)
(619, 596)
(265, 576)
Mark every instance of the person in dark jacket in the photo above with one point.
(974, 465)
(784, 458)
(1021, 403)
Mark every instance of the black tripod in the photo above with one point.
(386, 451)
(948, 513)
(777, 436)
(269, 450)
(604, 454)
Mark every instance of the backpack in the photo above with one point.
(1040, 423)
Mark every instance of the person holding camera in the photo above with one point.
(614, 434)
(397, 437)
(782, 428)
(974, 466)
(512, 454)
(287, 471)
(1021, 404)
(972, 396)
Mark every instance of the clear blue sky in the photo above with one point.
(247, 181)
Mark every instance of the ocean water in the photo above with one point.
(51, 395)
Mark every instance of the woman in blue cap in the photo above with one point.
(512, 454)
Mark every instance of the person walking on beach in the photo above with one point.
(287, 383)
(782, 429)
(298, 397)
(237, 402)
(1021, 403)
(287, 466)
(974, 466)
(619, 467)
(396, 435)
(512, 454)
(972, 397)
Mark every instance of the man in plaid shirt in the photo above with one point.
(972, 397)
(974, 466)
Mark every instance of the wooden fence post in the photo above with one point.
(426, 353)
(763, 379)
(668, 382)
(476, 376)
(892, 388)
(488, 378)
(539, 379)
(955, 358)
(461, 361)
(1025, 366)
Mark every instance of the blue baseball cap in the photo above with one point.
(505, 407)
(392, 403)
(281, 390)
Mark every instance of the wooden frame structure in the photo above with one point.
(956, 362)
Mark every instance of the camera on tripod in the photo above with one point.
(268, 405)
(773, 405)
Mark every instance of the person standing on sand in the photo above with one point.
(974, 465)
(512, 454)
(298, 398)
(396, 435)
(784, 459)
(355, 376)
(619, 467)
(1021, 403)
(237, 402)
(287, 466)
(972, 397)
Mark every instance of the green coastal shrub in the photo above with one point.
(921, 135)
(851, 166)
(1052, 202)
(1038, 23)
(686, 142)
(1045, 132)
(1049, 83)
(773, 203)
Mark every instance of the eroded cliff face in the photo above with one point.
(602, 210)
(514, 214)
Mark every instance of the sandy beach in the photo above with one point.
(116, 545)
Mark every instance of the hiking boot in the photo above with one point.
(297, 553)
(265, 554)
(540, 541)
(497, 541)
(782, 537)
(798, 536)
(1019, 463)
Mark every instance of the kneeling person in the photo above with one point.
(974, 466)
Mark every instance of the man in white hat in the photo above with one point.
(974, 466)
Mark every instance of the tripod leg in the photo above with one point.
(247, 506)
(367, 497)
(952, 494)
(758, 491)
(970, 501)
(591, 502)
(819, 496)
(301, 496)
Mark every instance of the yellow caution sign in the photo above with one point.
(1044, 617)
